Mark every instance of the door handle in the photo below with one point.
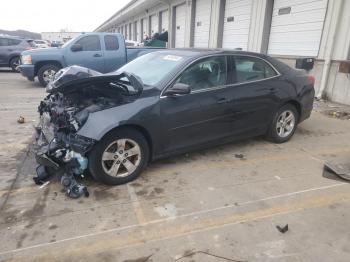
(222, 100)
(97, 55)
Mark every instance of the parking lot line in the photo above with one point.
(195, 226)
(136, 205)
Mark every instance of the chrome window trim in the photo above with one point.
(222, 86)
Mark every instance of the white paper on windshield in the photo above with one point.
(172, 58)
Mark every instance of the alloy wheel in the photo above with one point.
(121, 158)
(285, 123)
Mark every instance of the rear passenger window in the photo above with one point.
(251, 69)
(90, 43)
(111, 42)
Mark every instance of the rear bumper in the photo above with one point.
(27, 71)
(307, 104)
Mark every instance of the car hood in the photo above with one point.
(42, 51)
(73, 78)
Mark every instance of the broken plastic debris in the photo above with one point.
(282, 229)
(45, 184)
(341, 170)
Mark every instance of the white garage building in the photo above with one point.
(286, 29)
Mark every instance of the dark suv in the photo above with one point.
(11, 49)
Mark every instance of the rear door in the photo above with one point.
(114, 55)
(204, 114)
(253, 93)
(91, 55)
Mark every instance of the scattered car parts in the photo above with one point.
(165, 103)
(60, 150)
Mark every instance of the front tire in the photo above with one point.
(283, 124)
(46, 73)
(14, 63)
(119, 157)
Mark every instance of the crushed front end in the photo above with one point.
(74, 94)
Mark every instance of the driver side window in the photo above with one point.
(207, 73)
(90, 43)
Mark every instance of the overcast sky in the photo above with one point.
(49, 16)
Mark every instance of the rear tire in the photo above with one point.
(46, 73)
(119, 157)
(14, 63)
(284, 124)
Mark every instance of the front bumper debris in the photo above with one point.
(61, 155)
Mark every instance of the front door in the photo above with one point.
(89, 56)
(204, 114)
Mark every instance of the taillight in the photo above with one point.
(311, 79)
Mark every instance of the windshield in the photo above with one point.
(152, 67)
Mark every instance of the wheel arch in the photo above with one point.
(294, 103)
(38, 65)
(12, 57)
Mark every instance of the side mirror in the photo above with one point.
(178, 89)
(76, 48)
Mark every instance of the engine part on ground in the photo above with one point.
(55, 157)
(73, 188)
(42, 175)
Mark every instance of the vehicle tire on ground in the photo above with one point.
(119, 157)
(283, 124)
(46, 73)
(14, 63)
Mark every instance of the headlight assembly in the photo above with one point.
(26, 60)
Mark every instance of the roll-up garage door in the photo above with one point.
(139, 31)
(131, 32)
(145, 32)
(135, 30)
(296, 27)
(202, 23)
(236, 24)
(180, 24)
(154, 24)
(165, 21)
(126, 35)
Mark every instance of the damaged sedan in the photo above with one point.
(164, 103)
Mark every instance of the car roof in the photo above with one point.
(198, 52)
(194, 53)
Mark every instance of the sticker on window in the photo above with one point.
(172, 58)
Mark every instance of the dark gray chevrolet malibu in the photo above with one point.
(165, 103)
